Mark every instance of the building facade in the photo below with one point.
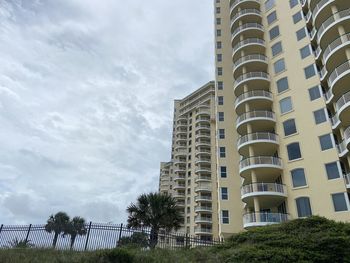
(282, 107)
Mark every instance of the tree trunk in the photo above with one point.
(72, 240)
(55, 240)
(153, 237)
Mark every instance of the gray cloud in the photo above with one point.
(86, 97)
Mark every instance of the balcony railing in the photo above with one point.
(255, 114)
(201, 219)
(341, 147)
(244, 12)
(337, 72)
(342, 101)
(237, 2)
(251, 75)
(263, 187)
(335, 44)
(253, 57)
(319, 6)
(258, 136)
(248, 41)
(268, 218)
(203, 187)
(247, 26)
(330, 20)
(260, 160)
(252, 94)
(203, 208)
(202, 197)
(203, 230)
(347, 179)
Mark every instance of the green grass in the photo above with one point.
(304, 240)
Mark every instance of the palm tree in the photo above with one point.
(76, 227)
(58, 224)
(157, 211)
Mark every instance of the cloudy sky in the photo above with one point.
(86, 96)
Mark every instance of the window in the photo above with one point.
(314, 93)
(224, 193)
(218, 10)
(298, 177)
(220, 85)
(301, 33)
(222, 152)
(276, 49)
(293, 3)
(269, 4)
(223, 171)
(271, 17)
(221, 116)
(320, 116)
(279, 66)
(218, 45)
(221, 133)
(303, 206)
(218, 33)
(274, 32)
(286, 105)
(289, 127)
(282, 84)
(220, 100)
(219, 71)
(293, 151)
(225, 217)
(332, 170)
(305, 51)
(219, 57)
(326, 142)
(340, 202)
(218, 21)
(310, 71)
(297, 17)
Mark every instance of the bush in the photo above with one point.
(117, 255)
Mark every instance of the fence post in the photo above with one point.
(88, 235)
(2, 225)
(29, 228)
(186, 240)
(120, 234)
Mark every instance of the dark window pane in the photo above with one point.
(282, 85)
(294, 151)
(332, 170)
(298, 177)
(303, 206)
(289, 127)
(339, 202)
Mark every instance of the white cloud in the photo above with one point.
(86, 97)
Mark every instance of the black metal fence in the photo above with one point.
(98, 236)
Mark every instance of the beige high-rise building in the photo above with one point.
(282, 107)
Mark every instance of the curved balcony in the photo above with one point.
(259, 98)
(268, 166)
(254, 29)
(256, 79)
(203, 178)
(203, 188)
(180, 204)
(267, 142)
(203, 220)
(253, 62)
(181, 139)
(179, 195)
(334, 50)
(180, 163)
(203, 152)
(250, 45)
(180, 170)
(203, 143)
(203, 161)
(179, 187)
(181, 152)
(270, 194)
(203, 111)
(339, 79)
(204, 120)
(202, 198)
(181, 132)
(203, 135)
(202, 127)
(342, 149)
(343, 109)
(243, 4)
(328, 29)
(203, 231)
(203, 209)
(203, 170)
(317, 11)
(260, 120)
(251, 14)
(263, 219)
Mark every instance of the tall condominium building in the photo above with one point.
(282, 106)
(190, 176)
